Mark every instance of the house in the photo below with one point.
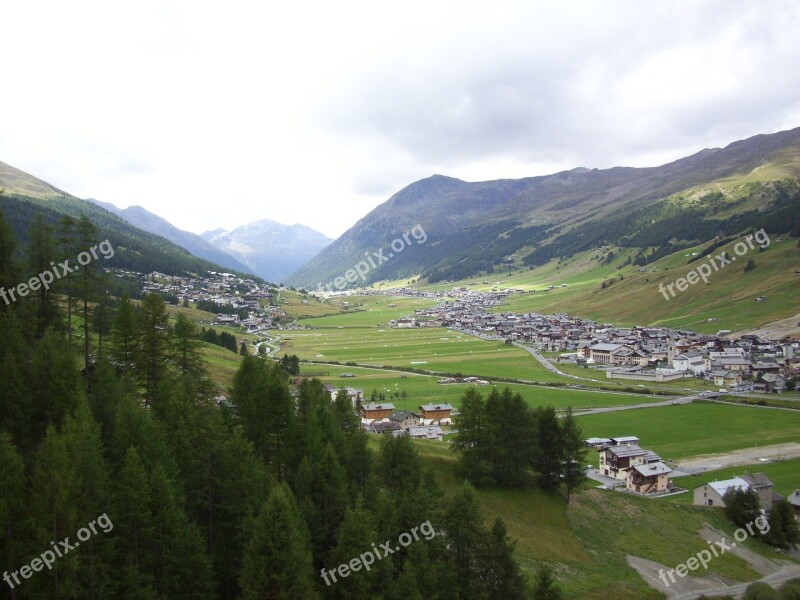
(405, 419)
(769, 382)
(712, 493)
(794, 500)
(376, 412)
(648, 478)
(383, 427)
(615, 461)
(439, 413)
(431, 432)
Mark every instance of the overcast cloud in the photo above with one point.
(213, 114)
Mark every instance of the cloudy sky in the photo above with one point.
(218, 114)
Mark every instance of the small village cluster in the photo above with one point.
(649, 354)
(642, 471)
(231, 293)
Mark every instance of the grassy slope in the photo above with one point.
(587, 542)
(729, 297)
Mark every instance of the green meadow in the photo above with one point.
(681, 431)
(421, 389)
(784, 474)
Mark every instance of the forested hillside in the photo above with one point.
(114, 452)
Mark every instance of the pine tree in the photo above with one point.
(186, 347)
(12, 500)
(354, 537)
(573, 452)
(503, 575)
(243, 349)
(465, 540)
(88, 278)
(68, 247)
(41, 251)
(277, 561)
(547, 454)
(125, 335)
(153, 346)
(545, 586)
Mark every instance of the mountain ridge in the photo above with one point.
(270, 249)
(473, 226)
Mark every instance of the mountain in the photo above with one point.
(144, 219)
(271, 250)
(25, 196)
(474, 228)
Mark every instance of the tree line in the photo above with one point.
(501, 440)
(106, 407)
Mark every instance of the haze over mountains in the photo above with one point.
(477, 227)
(144, 219)
(270, 249)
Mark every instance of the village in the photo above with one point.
(648, 354)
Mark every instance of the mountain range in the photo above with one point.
(144, 219)
(269, 249)
(474, 228)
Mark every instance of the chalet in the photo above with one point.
(648, 478)
(430, 432)
(615, 461)
(713, 493)
(436, 413)
(769, 382)
(405, 419)
(376, 412)
(383, 427)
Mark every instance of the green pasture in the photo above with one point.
(784, 474)
(681, 431)
(424, 389)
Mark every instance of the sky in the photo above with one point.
(215, 114)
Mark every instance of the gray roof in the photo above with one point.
(431, 407)
(721, 487)
(651, 469)
(625, 451)
(374, 406)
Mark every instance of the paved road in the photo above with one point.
(670, 402)
(550, 366)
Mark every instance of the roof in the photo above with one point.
(381, 426)
(374, 406)
(757, 480)
(430, 432)
(605, 347)
(625, 451)
(432, 407)
(400, 415)
(794, 498)
(625, 439)
(652, 469)
(721, 487)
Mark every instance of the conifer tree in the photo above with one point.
(573, 452)
(153, 347)
(277, 561)
(41, 251)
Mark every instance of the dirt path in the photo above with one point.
(745, 456)
(773, 572)
(775, 330)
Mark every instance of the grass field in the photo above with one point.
(421, 389)
(676, 432)
(784, 474)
